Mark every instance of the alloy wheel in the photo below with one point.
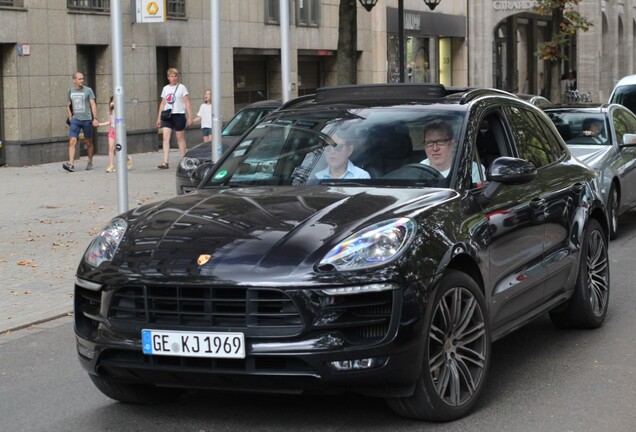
(457, 346)
(597, 273)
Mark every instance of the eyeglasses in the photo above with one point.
(438, 142)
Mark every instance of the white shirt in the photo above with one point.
(175, 100)
(352, 172)
(475, 171)
(205, 112)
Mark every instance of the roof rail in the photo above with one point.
(296, 101)
(381, 92)
(475, 93)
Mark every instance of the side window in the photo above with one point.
(624, 122)
(530, 139)
(487, 147)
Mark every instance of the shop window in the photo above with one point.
(308, 13)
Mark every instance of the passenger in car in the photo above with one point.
(439, 145)
(593, 128)
(338, 164)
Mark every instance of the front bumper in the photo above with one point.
(183, 182)
(285, 358)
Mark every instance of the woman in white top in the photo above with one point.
(174, 97)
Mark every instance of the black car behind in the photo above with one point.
(232, 131)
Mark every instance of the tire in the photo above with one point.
(457, 350)
(587, 308)
(613, 203)
(138, 394)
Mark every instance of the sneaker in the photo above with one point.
(110, 169)
(68, 167)
(89, 166)
(129, 164)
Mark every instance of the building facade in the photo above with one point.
(504, 35)
(461, 43)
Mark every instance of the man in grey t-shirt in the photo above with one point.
(83, 116)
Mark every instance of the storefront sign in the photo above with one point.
(514, 5)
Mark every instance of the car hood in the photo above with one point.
(253, 234)
(591, 155)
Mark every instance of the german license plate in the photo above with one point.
(193, 344)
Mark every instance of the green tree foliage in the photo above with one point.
(566, 23)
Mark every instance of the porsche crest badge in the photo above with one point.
(203, 258)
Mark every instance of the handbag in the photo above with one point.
(165, 114)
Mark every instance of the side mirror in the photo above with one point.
(508, 170)
(201, 172)
(629, 139)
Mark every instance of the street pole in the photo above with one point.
(284, 48)
(120, 105)
(401, 38)
(215, 47)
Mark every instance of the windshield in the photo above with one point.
(244, 120)
(581, 127)
(379, 146)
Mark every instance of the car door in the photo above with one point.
(623, 121)
(515, 232)
(561, 191)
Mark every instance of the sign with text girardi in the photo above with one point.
(514, 5)
(150, 11)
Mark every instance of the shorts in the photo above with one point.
(111, 132)
(176, 122)
(206, 131)
(85, 125)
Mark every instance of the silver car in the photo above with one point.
(603, 137)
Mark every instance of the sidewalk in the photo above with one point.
(47, 218)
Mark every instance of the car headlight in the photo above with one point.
(189, 163)
(373, 246)
(104, 246)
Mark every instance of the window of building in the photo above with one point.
(176, 9)
(88, 5)
(272, 11)
(308, 13)
(12, 3)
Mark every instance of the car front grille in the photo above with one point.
(205, 306)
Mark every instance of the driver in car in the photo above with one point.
(338, 164)
(439, 145)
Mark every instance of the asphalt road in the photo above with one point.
(542, 379)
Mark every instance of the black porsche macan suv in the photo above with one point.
(373, 239)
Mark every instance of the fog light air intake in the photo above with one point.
(357, 364)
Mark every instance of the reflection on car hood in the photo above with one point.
(591, 155)
(257, 233)
(203, 151)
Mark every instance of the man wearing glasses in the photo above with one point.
(338, 164)
(439, 145)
